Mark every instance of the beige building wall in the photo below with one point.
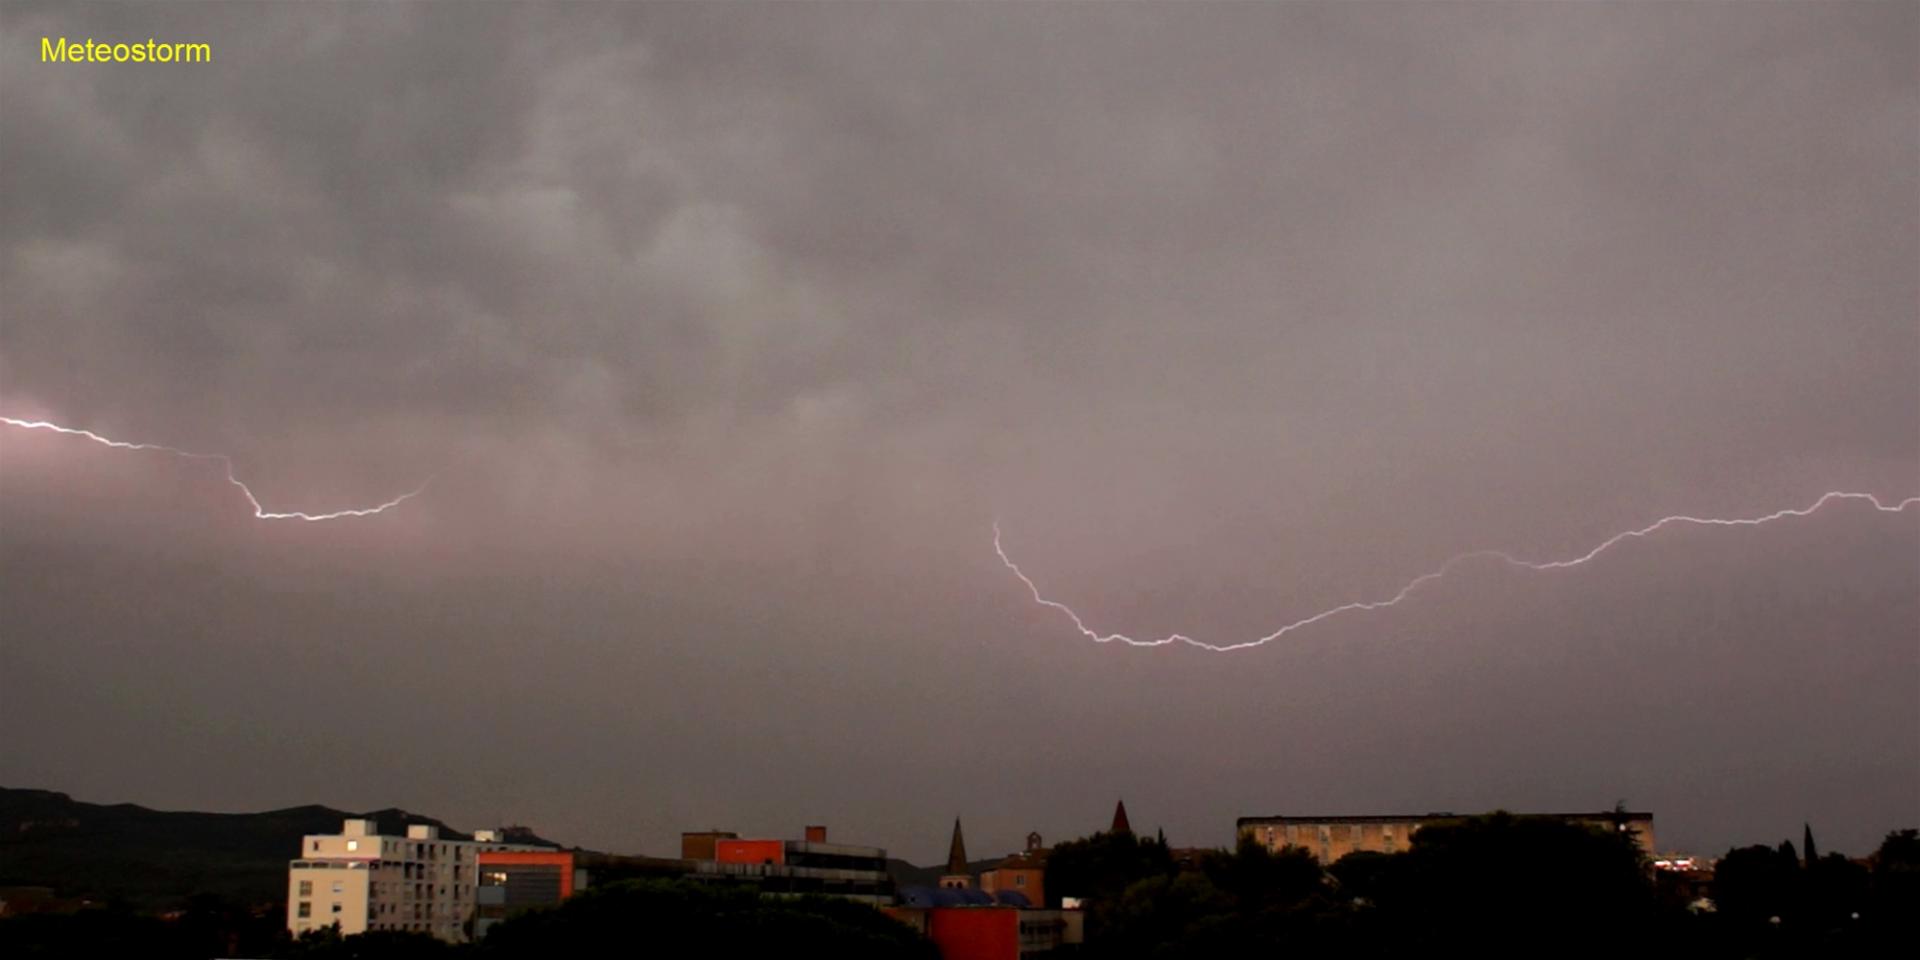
(324, 894)
(364, 880)
(1028, 881)
(1331, 839)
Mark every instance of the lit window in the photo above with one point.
(353, 845)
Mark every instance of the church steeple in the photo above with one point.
(957, 854)
(957, 876)
(1120, 824)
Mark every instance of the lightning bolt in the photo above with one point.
(1422, 580)
(259, 512)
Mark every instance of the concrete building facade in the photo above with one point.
(1330, 838)
(361, 880)
(516, 880)
(805, 866)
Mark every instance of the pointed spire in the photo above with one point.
(1120, 824)
(1807, 848)
(957, 854)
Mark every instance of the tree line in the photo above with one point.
(1495, 885)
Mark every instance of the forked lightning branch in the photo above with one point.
(260, 512)
(1497, 556)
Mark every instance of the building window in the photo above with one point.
(336, 909)
(1019, 879)
(306, 888)
(339, 886)
(306, 910)
(353, 845)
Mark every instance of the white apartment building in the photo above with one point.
(364, 880)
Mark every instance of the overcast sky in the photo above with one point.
(728, 331)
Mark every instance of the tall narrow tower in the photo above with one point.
(1120, 824)
(957, 877)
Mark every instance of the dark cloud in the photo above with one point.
(729, 329)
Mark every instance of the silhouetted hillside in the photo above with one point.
(157, 857)
(907, 875)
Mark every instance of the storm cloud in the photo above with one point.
(728, 331)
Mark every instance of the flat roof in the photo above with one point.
(1415, 817)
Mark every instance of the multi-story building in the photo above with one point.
(1330, 838)
(791, 866)
(515, 880)
(364, 880)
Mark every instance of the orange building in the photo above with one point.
(812, 865)
(768, 852)
(514, 880)
(551, 868)
(1023, 873)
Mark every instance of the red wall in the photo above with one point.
(976, 933)
(750, 851)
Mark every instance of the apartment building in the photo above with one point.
(364, 880)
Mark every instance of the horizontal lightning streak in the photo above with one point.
(1441, 571)
(259, 512)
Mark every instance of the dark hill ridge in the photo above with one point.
(157, 858)
(154, 857)
(907, 875)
